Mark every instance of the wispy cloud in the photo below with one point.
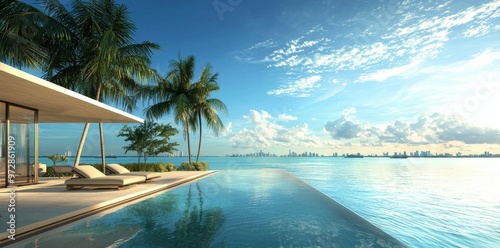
(270, 43)
(398, 40)
(227, 129)
(294, 46)
(285, 117)
(299, 88)
(383, 74)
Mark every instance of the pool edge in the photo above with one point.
(41, 226)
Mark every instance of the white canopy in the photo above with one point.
(56, 104)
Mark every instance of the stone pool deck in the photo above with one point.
(48, 204)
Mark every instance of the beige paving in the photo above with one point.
(40, 206)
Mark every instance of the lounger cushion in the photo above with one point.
(105, 181)
(120, 170)
(116, 168)
(92, 177)
(88, 171)
(145, 174)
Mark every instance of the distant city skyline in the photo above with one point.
(422, 154)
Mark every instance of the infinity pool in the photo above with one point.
(244, 208)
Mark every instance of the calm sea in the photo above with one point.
(423, 202)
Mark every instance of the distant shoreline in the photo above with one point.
(365, 156)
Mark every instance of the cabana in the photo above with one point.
(25, 101)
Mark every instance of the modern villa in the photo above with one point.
(26, 101)
(233, 207)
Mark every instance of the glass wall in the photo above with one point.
(17, 145)
(3, 146)
(21, 123)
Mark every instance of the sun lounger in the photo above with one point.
(88, 176)
(117, 169)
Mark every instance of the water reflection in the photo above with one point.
(161, 221)
(288, 213)
(197, 226)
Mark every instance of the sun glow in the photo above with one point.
(486, 112)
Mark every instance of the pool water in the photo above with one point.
(244, 208)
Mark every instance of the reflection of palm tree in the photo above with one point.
(150, 211)
(198, 227)
(138, 224)
(153, 223)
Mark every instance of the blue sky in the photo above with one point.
(329, 76)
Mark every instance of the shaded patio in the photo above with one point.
(26, 101)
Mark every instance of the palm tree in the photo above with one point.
(205, 108)
(25, 32)
(187, 100)
(102, 61)
(175, 94)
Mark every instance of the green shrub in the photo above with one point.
(98, 166)
(156, 167)
(171, 167)
(194, 166)
(49, 172)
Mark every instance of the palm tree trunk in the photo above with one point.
(82, 142)
(101, 132)
(189, 143)
(103, 157)
(199, 143)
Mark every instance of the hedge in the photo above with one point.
(194, 166)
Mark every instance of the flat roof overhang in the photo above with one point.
(56, 104)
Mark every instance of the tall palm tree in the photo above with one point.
(24, 33)
(175, 94)
(102, 61)
(206, 108)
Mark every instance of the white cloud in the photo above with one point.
(298, 88)
(428, 129)
(400, 39)
(384, 74)
(263, 132)
(227, 129)
(270, 43)
(296, 48)
(346, 127)
(286, 117)
(315, 29)
(485, 58)
(473, 31)
(257, 118)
